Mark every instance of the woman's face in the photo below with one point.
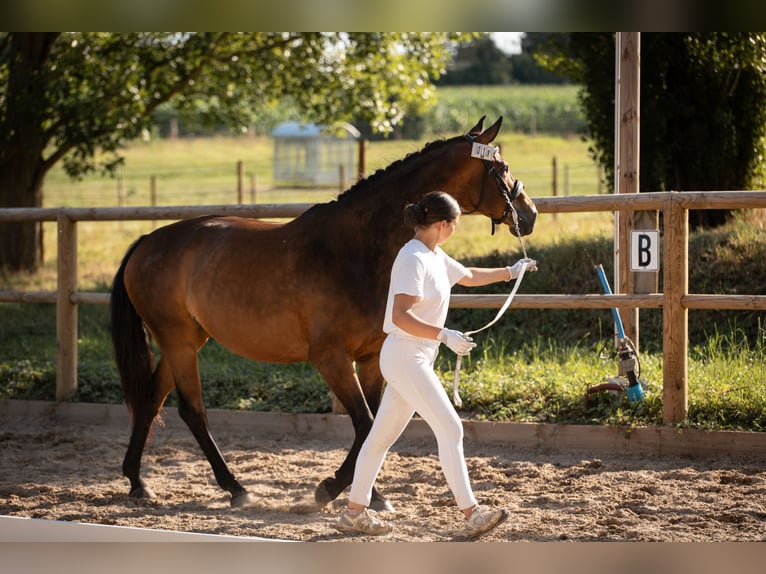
(446, 229)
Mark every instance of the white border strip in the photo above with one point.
(20, 529)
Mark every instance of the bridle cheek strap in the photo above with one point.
(509, 195)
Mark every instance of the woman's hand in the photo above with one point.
(515, 269)
(461, 344)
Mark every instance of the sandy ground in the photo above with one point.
(72, 473)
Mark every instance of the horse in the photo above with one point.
(311, 289)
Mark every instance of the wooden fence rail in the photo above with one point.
(675, 300)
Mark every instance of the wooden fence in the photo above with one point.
(675, 300)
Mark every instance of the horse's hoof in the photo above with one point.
(242, 499)
(381, 504)
(322, 495)
(142, 492)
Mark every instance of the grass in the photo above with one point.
(535, 365)
(525, 108)
(541, 380)
(548, 382)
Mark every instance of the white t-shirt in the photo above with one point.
(426, 274)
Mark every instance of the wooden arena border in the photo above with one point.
(675, 300)
(547, 438)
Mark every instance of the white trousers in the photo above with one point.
(407, 366)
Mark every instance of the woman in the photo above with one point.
(416, 310)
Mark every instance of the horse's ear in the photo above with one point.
(491, 132)
(475, 130)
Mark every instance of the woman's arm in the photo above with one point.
(478, 276)
(407, 321)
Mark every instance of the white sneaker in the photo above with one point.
(366, 522)
(483, 519)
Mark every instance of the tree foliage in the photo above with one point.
(78, 97)
(703, 106)
(479, 62)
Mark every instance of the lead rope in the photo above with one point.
(455, 394)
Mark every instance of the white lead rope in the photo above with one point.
(455, 394)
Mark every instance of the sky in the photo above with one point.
(508, 42)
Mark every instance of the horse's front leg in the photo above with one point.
(338, 372)
(371, 380)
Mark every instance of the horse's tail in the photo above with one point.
(132, 349)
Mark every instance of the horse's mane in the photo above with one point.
(363, 184)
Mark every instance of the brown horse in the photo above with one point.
(313, 289)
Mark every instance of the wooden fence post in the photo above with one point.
(120, 191)
(337, 406)
(240, 182)
(120, 195)
(675, 316)
(66, 311)
(628, 137)
(362, 160)
(601, 177)
(153, 195)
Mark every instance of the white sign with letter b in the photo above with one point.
(644, 250)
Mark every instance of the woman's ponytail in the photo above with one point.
(432, 207)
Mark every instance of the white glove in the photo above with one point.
(515, 269)
(461, 344)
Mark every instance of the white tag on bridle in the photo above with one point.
(483, 151)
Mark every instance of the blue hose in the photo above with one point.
(608, 291)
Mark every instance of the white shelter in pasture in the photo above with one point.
(310, 154)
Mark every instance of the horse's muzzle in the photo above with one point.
(522, 221)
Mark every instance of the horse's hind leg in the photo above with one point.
(192, 411)
(143, 415)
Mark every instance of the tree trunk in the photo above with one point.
(20, 246)
(22, 145)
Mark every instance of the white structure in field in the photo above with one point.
(309, 154)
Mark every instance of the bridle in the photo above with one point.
(509, 195)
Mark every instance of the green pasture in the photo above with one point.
(535, 365)
(526, 109)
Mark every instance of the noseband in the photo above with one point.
(508, 195)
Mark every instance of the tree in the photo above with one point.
(77, 98)
(526, 69)
(703, 106)
(479, 62)
(482, 62)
